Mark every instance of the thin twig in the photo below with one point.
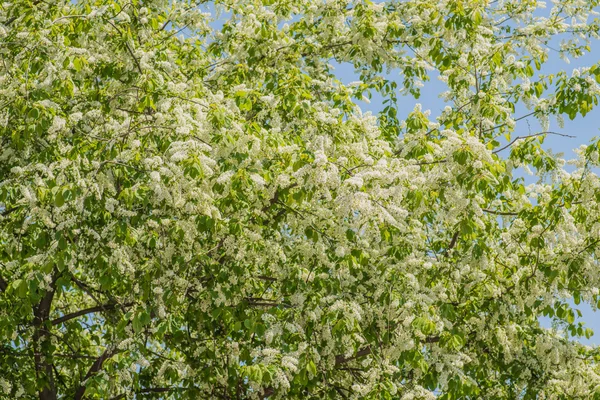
(528, 136)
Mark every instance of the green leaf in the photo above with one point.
(78, 64)
(339, 326)
(137, 324)
(62, 243)
(33, 114)
(311, 368)
(20, 286)
(260, 329)
(59, 199)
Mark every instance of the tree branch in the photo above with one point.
(129, 50)
(365, 351)
(528, 136)
(275, 198)
(104, 307)
(452, 243)
(340, 359)
(506, 123)
(265, 278)
(94, 369)
(42, 367)
(5, 211)
(3, 284)
(260, 302)
(152, 390)
(499, 212)
(75, 356)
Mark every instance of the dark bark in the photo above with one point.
(3, 284)
(94, 369)
(104, 307)
(43, 369)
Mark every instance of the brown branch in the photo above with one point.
(7, 211)
(129, 111)
(452, 242)
(94, 369)
(499, 212)
(75, 356)
(191, 101)
(506, 123)
(153, 390)
(43, 368)
(340, 359)
(266, 304)
(267, 392)
(365, 351)
(259, 302)
(3, 284)
(129, 50)
(528, 136)
(87, 289)
(275, 198)
(432, 162)
(266, 278)
(339, 390)
(158, 390)
(103, 307)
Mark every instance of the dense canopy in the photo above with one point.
(193, 205)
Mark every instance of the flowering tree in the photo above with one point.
(189, 212)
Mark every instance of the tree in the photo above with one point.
(192, 211)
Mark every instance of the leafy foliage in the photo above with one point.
(192, 212)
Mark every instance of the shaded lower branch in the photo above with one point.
(104, 307)
(94, 369)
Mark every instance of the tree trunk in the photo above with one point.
(43, 369)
